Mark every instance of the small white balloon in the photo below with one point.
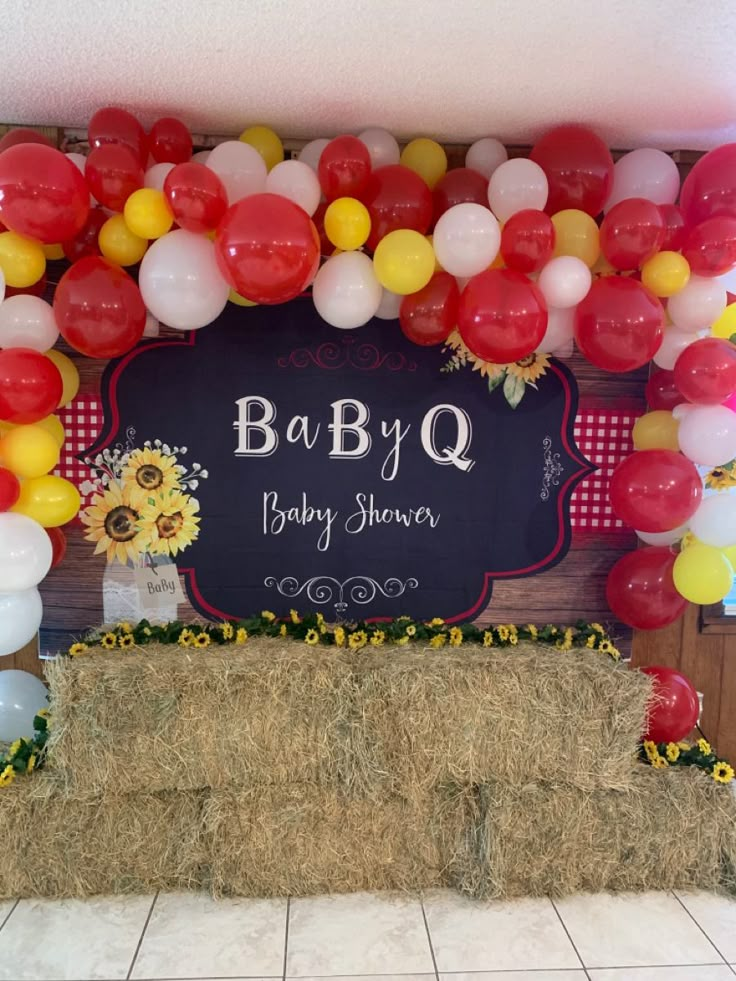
(25, 552)
(714, 523)
(382, 147)
(673, 344)
(156, 175)
(296, 181)
(698, 305)
(663, 537)
(201, 156)
(346, 292)
(707, 435)
(564, 281)
(311, 152)
(388, 308)
(22, 696)
(466, 239)
(27, 321)
(486, 156)
(2, 286)
(644, 173)
(560, 330)
(515, 186)
(180, 281)
(681, 410)
(20, 618)
(240, 167)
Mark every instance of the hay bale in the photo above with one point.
(57, 845)
(672, 829)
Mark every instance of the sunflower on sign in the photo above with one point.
(514, 377)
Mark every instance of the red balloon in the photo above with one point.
(710, 247)
(344, 168)
(112, 125)
(86, 242)
(396, 198)
(674, 709)
(318, 219)
(42, 193)
(23, 135)
(197, 196)
(267, 248)
(655, 490)
(675, 227)
(30, 385)
(99, 309)
(709, 190)
(428, 317)
(170, 141)
(641, 591)
(632, 232)
(579, 169)
(9, 489)
(502, 316)
(58, 545)
(113, 172)
(705, 372)
(619, 325)
(662, 392)
(527, 240)
(459, 186)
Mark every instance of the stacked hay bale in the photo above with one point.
(275, 768)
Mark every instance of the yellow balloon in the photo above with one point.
(21, 260)
(267, 143)
(53, 252)
(603, 267)
(576, 234)
(53, 425)
(426, 158)
(656, 431)
(29, 451)
(725, 326)
(69, 376)
(120, 245)
(241, 301)
(147, 213)
(403, 261)
(666, 273)
(730, 553)
(702, 574)
(49, 500)
(437, 266)
(347, 224)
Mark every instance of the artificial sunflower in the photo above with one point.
(722, 772)
(463, 355)
(126, 640)
(186, 638)
(112, 522)
(359, 638)
(411, 630)
(201, 639)
(241, 636)
(503, 632)
(339, 636)
(720, 478)
(488, 638)
(436, 622)
(402, 640)
(650, 748)
(31, 765)
(294, 616)
(377, 638)
(76, 649)
(312, 637)
(590, 642)
(660, 763)
(456, 636)
(268, 615)
(673, 752)
(227, 631)
(7, 776)
(168, 522)
(148, 472)
(109, 641)
(14, 747)
(598, 628)
(532, 630)
(282, 630)
(439, 640)
(530, 368)
(704, 747)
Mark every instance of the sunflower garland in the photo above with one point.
(26, 755)
(700, 754)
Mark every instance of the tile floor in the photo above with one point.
(438, 937)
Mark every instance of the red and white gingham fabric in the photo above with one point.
(602, 435)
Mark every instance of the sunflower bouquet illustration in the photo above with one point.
(514, 377)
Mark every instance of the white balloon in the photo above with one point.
(346, 291)
(2, 286)
(486, 155)
(156, 175)
(311, 152)
(180, 281)
(201, 156)
(388, 308)
(22, 695)
(681, 410)
(714, 523)
(20, 618)
(240, 167)
(564, 281)
(296, 181)
(25, 552)
(382, 147)
(560, 330)
(515, 186)
(663, 537)
(645, 173)
(698, 305)
(27, 321)
(673, 344)
(466, 239)
(707, 435)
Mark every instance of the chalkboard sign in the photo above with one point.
(345, 472)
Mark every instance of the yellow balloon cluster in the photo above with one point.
(656, 431)
(22, 260)
(703, 574)
(120, 245)
(347, 224)
(266, 142)
(403, 261)
(29, 451)
(426, 158)
(576, 234)
(666, 273)
(147, 213)
(49, 500)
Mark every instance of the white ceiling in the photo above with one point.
(641, 72)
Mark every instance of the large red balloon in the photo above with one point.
(709, 190)
(632, 232)
(428, 317)
(675, 227)
(710, 247)
(9, 489)
(112, 173)
(99, 309)
(459, 186)
(267, 248)
(30, 386)
(58, 545)
(86, 242)
(619, 325)
(197, 196)
(641, 591)
(396, 198)
(662, 392)
(655, 490)
(527, 240)
(705, 372)
(42, 193)
(112, 125)
(23, 135)
(674, 709)
(170, 141)
(579, 169)
(344, 168)
(502, 316)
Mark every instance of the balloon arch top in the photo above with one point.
(509, 259)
